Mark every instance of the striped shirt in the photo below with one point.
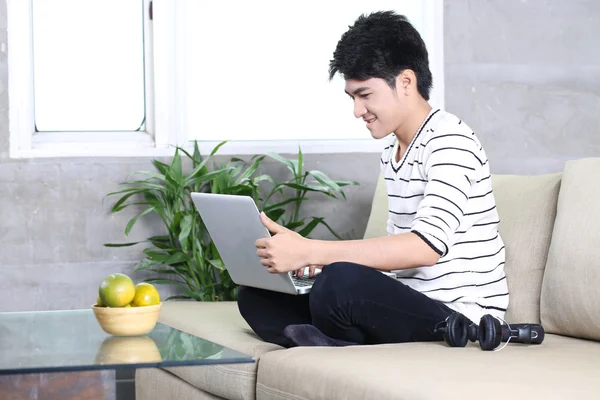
(441, 190)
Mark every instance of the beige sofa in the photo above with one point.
(550, 224)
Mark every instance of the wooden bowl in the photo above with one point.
(130, 321)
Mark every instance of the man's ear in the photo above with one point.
(405, 81)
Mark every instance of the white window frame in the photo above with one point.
(165, 122)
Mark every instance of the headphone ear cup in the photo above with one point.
(456, 335)
(490, 332)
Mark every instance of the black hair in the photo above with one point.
(382, 45)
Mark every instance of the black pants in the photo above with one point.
(348, 302)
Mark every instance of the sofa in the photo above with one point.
(549, 223)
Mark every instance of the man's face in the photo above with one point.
(381, 107)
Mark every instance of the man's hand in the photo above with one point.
(285, 251)
(311, 271)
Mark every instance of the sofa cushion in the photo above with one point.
(377, 223)
(570, 300)
(558, 368)
(527, 208)
(221, 323)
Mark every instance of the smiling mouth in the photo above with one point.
(370, 121)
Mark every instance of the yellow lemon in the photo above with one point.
(99, 302)
(145, 295)
(116, 290)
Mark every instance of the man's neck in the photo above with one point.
(408, 130)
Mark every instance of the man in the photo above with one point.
(443, 241)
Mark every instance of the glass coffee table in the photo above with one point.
(72, 341)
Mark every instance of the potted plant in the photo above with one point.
(185, 256)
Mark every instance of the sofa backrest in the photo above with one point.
(527, 208)
(570, 298)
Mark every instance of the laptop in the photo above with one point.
(233, 222)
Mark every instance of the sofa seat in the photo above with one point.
(560, 368)
(155, 383)
(221, 323)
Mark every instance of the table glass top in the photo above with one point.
(58, 341)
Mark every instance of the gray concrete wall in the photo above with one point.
(524, 75)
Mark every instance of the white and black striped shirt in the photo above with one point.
(441, 190)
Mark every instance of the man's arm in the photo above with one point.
(286, 251)
(451, 166)
(402, 251)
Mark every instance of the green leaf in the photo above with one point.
(199, 177)
(295, 169)
(186, 228)
(275, 214)
(293, 225)
(155, 201)
(199, 170)
(264, 177)
(146, 185)
(196, 158)
(197, 155)
(217, 147)
(327, 181)
(134, 189)
(156, 255)
(347, 183)
(176, 171)
(178, 297)
(300, 162)
(307, 188)
(288, 163)
(165, 271)
(161, 242)
(218, 264)
(283, 203)
(152, 175)
(134, 219)
(176, 258)
(330, 229)
(236, 171)
(160, 166)
(119, 204)
(310, 226)
(166, 257)
(145, 264)
(213, 251)
(121, 244)
(160, 237)
(174, 183)
(250, 170)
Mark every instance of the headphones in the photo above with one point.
(458, 329)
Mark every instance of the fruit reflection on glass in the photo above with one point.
(128, 350)
(125, 309)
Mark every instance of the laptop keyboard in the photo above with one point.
(302, 282)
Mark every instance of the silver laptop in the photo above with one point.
(233, 222)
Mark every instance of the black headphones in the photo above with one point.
(458, 329)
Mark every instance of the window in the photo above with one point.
(133, 77)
